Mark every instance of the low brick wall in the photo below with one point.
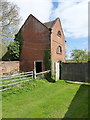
(9, 67)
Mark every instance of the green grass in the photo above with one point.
(42, 99)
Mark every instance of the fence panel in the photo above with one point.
(42, 72)
(75, 72)
(6, 82)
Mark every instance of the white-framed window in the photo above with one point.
(59, 50)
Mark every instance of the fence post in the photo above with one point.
(34, 73)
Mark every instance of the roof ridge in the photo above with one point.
(50, 23)
(27, 20)
(38, 20)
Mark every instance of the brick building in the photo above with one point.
(38, 37)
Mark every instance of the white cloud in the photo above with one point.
(41, 9)
(73, 14)
(74, 17)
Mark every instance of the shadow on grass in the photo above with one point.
(49, 78)
(79, 105)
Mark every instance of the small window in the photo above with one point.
(59, 33)
(59, 50)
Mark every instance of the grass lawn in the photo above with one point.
(42, 99)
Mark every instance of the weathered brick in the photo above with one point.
(37, 37)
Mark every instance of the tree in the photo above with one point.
(79, 55)
(14, 50)
(9, 21)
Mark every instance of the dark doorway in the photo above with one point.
(38, 67)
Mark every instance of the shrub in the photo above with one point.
(14, 50)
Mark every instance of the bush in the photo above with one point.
(14, 50)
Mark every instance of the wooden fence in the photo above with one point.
(8, 82)
(75, 72)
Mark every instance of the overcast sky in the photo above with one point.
(72, 13)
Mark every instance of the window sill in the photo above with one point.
(59, 53)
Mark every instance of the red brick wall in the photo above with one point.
(7, 67)
(36, 39)
(57, 41)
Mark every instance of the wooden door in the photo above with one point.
(57, 70)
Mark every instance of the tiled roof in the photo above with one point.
(49, 24)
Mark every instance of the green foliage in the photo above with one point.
(14, 50)
(79, 55)
(19, 38)
(53, 75)
(47, 59)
